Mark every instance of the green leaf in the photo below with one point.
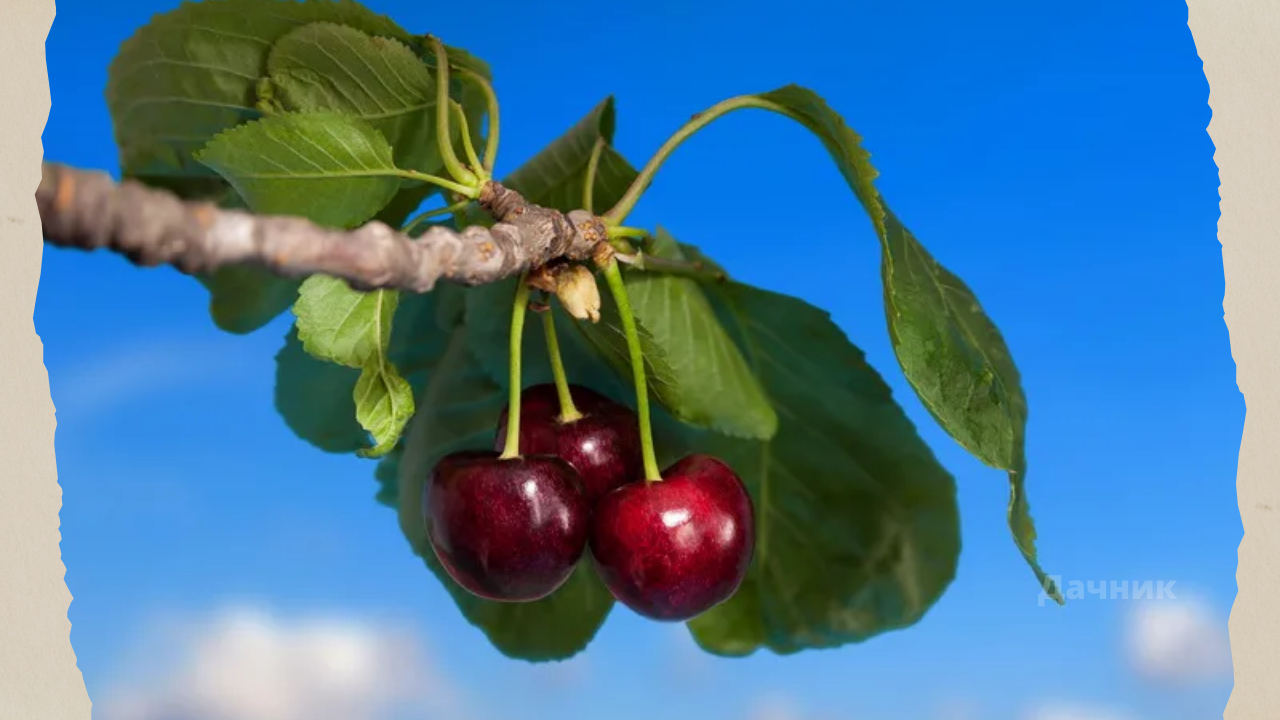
(316, 397)
(842, 143)
(342, 325)
(191, 73)
(387, 474)
(857, 526)
(382, 81)
(459, 410)
(243, 298)
(328, 67)
(384, 405)
(693, 254)
(331, 169)
(352, 328)
(949, 349)
(212, 188)
(556, 176)
(459, 59)
(554, 628)
(701, 378)
(418, 342)
(961, 369)
(608, 341)
(955, 356)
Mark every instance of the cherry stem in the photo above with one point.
(613, 276)
(518, 310)
(568, 411)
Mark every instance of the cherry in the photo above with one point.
(673, 549)
(603, 445)
(508, 530)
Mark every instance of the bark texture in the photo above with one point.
(88, 210)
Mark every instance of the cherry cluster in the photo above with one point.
(513, 529)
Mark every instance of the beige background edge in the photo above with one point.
(39, 678)
(1239, 44)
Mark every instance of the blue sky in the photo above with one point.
(1054, 157)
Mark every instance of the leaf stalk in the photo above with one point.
(623, 208)
(467, 191)
(491, 139)
(468, 147)
(589, 184)
(443, 110)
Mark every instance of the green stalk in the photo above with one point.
(465, 129)
(619, 212)
(451, 163)
(619, 237)
(589, 186)
(491, 142)
(613, 276)
(616, 232)
(622, 247)
(469, 191)
(518, 309)
(568, 411)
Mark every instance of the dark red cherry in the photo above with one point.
(672, 550)
(507, 530)
(603, 445)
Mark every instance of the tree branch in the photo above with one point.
(87, 210)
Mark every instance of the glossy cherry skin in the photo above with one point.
(506, 530)
(603, 445)
(674, 549)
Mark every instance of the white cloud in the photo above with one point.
(776, 707)
(245, 663)
(123, 373)
(1178, 642)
